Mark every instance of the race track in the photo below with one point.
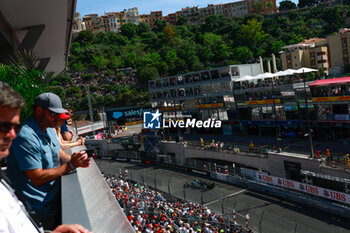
(273, 214)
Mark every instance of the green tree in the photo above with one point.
(99, 63)
(109, 101)
(129, 30)
(21, 75)
(182, 20)
(78, 66)
(287, 5)
(252, 32)
(170, 34)
(159, 25)
(147, 73)
(142, 27)
(85, 37)
(258, 7)
(242, 54)
(307, 3)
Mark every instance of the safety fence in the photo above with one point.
(175, 188)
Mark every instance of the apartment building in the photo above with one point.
(78, 25)
(92, 23)
(150, 19)
(192, 14)
(265, 7)
(132, 15)
(339, 45)
(116, 20)
(311, 53)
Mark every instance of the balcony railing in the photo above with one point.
(88, 201)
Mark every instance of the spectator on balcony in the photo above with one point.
(13, 217)
(36, 160)
(63, 143)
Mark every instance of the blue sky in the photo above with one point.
(85, 7)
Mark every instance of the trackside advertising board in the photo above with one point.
(306, 188)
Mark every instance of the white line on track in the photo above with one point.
(224, 197)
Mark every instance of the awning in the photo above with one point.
(244, 78)
(331, 81)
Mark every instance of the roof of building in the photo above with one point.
(42, 26)
(312, 40)
(331, 81)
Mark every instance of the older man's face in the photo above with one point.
(9, 118)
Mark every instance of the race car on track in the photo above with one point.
(199, 184)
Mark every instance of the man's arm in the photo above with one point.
(64, 157)
(41, 176)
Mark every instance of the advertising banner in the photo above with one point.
(331, 99)
(306, 188)
(217, 105)
(123, 114)
(254, 102)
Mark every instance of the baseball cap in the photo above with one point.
(49, 101)
(65, 115)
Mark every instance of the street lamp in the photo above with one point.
(309, 130)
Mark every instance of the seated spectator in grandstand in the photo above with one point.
(63, 143)
(36, 160)
(13, 217)
(148, 211)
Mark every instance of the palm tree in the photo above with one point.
(20, 73)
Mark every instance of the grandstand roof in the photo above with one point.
(331, 81)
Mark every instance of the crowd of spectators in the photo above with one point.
(148, 211)
(333, 91)
(262, 96)
(268, 82)
(101, 80)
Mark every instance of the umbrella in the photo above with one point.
(244, 78)
(305, 70)
(264, 75)
(285, 72)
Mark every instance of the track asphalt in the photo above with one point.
(274, 215)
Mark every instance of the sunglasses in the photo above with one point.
(5, 127)
(54, 114)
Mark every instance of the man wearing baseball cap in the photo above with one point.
(37, 162)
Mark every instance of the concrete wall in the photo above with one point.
(273, 163)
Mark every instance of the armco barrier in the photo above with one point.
(285, 194)
(290, 195)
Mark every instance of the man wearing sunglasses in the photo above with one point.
(13, 217)
(37, 162)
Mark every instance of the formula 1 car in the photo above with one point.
(199, 184)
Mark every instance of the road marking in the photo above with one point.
(224, 197)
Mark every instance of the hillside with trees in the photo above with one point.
(168, 50)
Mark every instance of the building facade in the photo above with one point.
(151, 19)
(78, 25)
(203, 94)
(92, 23)
(311, 53)
(339, 45)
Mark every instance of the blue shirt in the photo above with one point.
(34, 149)
(64, 128)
